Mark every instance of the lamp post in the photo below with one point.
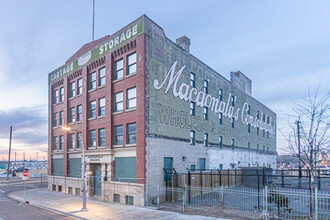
(84, 208)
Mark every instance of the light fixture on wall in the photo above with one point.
(184, 158)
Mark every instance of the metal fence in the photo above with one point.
(255, 177)
(270, 202)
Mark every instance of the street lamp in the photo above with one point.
(84, 208)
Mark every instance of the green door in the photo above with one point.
(97, 180)
(168, 168)
(202, 164)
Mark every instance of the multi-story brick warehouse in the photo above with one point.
(143, 103)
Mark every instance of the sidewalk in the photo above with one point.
(71, 205)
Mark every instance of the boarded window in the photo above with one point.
(125, 169)
(75, 167)
(58, 167)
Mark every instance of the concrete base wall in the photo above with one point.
(109, 188)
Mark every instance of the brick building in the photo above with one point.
(142, 103)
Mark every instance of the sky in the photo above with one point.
(282, 46)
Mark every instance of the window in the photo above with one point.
(72, 89)
(192, 108)
(249, 128)
(55, 119)
(249, 146)
(220, 166)
(131, 64)
(55, 96)
(71, 115)
(72, 141)
(263, 148)
(257, 131)
(70, 190)
(267, 149)
(220, 118)
(79, 141)
(92, 109)
(92, 81)
(77, 191)
(131, 98)
(79, 112)
(192, 79)
(61, 94)
(79, 86)
(61, 143)
(116, 198)
(192, 137)
(206, 113)
(202, 164)
(220, 94)
(55, 143)
(129, 200)
(206, 137)
(258, 114)
(263, 117)
(102, 106)
(102, 76)
(119, 65)
(131, 133)
(263, 133)
(233, 101)
(92, 138)
(206, 85)
(119, 100)
(220, 142)
(267, 134)
(118, 135)
(192, 168)
(257, 147)
(61, 117)
(102, 137)
(232, 122)
(232, 143)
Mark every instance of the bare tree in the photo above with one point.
(311, 119)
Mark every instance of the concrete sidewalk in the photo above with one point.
(71, 205)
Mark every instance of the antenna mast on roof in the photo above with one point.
(93, 19)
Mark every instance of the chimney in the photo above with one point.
(184, 43)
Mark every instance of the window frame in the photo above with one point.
(206, 112)
(91, 111)
(192, 79)
(116, 71)
(79, 114)
(72, 89)
(192, 108)
(91, 139)
(72, 117)
(61, 118)
(101, 138)
(192, 138)
(102, 79)
(206, 140)
(55, 143)
(79, 87)
(115, 135)
(55, 119)
(116, 102)
(60, 142)
(233, 143)
(220, 142)
(220, 94)
(132, 64)
(128, 99)
(55, 96)
(128, 134)
(61, 94)
(101, 108)
(72, 141)
(220, 118)
(92, 83)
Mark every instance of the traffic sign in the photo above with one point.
(25, 178)
(25, 173)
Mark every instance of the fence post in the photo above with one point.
(221, 197)
(282, 177)
(183, 198)
(228, 178)
(258, 190)
(315, 204)
(319, 180)
(201, 182)
(263, 176)
(235, 177)
(266, 201)
(211, 180)
(219, 176)
(189, 183)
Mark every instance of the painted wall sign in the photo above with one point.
(110, 44)
(187, 93)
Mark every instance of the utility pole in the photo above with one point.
(10, 135)
(93, 19)
(299, 161)
(37, 163)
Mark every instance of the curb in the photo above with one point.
(42, 207)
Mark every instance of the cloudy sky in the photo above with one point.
(282, 46)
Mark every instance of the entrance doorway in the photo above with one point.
(168, 169)
(97, 180)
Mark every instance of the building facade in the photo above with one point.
(138, 103)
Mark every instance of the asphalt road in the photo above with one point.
(11, 209)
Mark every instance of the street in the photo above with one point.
(11, 209)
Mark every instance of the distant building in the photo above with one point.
(143, 104)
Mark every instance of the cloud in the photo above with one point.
(29, 124)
